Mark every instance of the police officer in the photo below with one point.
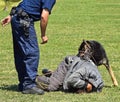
(26, 50)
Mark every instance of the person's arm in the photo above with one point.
(75, 80)
(43, 25)
(6, 20)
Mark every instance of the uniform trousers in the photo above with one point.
(26, 53)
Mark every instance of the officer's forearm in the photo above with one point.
(44, 21)
(43, 26)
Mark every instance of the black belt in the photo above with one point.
(19, 12)
(23, 18)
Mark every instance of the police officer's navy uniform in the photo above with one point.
(26, 50)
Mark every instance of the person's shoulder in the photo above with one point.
(92, 65)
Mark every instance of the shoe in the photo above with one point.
(33, 90)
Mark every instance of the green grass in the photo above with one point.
(71, 21)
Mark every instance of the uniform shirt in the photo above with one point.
(34, 7)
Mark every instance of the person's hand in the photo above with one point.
(89, 87)
(6, 20)
(44, 39)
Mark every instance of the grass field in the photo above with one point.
(71, 21)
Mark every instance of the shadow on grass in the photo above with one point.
(112, 86)
(9, 87)
(106, 86)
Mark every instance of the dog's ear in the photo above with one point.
(84, 40)
(81, 45)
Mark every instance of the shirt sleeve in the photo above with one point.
(76, 79)
(48, 4)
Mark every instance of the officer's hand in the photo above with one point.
(6, 20)
(89, 87)
(44, 39)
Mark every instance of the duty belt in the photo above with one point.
(23, 17)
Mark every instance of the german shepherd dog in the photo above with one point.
(95, 51)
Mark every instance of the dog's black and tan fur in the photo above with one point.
(95, 51)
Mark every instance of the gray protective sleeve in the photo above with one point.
(76, 80)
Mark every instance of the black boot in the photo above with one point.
(33, 90)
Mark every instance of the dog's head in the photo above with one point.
(85, 50)
(93, 50)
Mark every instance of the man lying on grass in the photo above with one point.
(74, 74)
